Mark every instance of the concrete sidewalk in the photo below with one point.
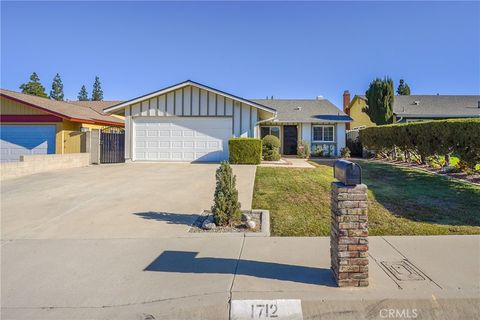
(195, 277)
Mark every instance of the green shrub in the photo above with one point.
(317, 151)
(345, 152)
(271, 148)
(245, 150)
(420, 140)
(303, 150)
(226, 208)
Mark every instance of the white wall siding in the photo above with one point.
(307, 132)
(195, 101)
(245, 121)
(229, 107)
(253, 121)
(187, 101)
(211, 97)
(191, 102)
(203, 103)
(341, 137)
(153, 107)
(178, 103)
(162, 105)
(170, 103)
(220, 105)
(128, 132)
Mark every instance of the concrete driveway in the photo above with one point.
(137, 200)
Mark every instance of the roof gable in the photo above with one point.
(180, 85)
(62, 109)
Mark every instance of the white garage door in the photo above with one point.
(181, 139)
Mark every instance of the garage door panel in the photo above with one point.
(182, 139)
(18, 140)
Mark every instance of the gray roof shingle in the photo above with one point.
(305, 110)
(437, 106)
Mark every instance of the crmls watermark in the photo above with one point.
(398, 313)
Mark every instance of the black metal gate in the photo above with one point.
(354, 144)
(112, 145)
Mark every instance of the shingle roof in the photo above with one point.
(97, 105)
(64, 109)
(437, 106)
(305, 110)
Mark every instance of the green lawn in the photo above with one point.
(401, 201)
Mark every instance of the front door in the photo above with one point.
(290, 139)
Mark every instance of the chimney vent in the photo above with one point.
(478, 104)
(416, 102)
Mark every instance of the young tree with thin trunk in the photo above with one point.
(57, 89)
(83, 94)
(34, 87)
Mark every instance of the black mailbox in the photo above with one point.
(347, 172)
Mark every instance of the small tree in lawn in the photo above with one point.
(226, 208)
(34, 87)
(83, 94)
(380, 101)
(403, 89)
(57, 89)
(97, 92)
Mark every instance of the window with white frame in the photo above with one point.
(323, 133)
(274, 131)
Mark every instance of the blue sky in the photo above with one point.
(284, 49)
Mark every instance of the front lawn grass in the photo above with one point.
(402, 201)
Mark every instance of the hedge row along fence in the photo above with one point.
(419, 140)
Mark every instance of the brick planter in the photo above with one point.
(349, 235)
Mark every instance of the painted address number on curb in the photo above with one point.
(266, 309)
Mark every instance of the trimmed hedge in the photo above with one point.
(460, 137)
(245, 150)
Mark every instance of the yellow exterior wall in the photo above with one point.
(359, 117)
(16, 108)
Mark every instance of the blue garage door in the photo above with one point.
(18, 140)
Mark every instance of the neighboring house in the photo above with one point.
(193, 122)
(415, 108)
(354, 108)
(435, 107)
(35, 125)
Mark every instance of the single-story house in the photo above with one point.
(35, 125)
(415, 108)
(190, 121)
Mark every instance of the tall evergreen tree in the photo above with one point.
(380, 101)
(403, 89)
(83, 94)
(34, 87)
(97, 93)
(57, 88)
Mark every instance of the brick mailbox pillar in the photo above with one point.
(349, 235)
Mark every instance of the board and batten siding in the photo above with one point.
(192, 102)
